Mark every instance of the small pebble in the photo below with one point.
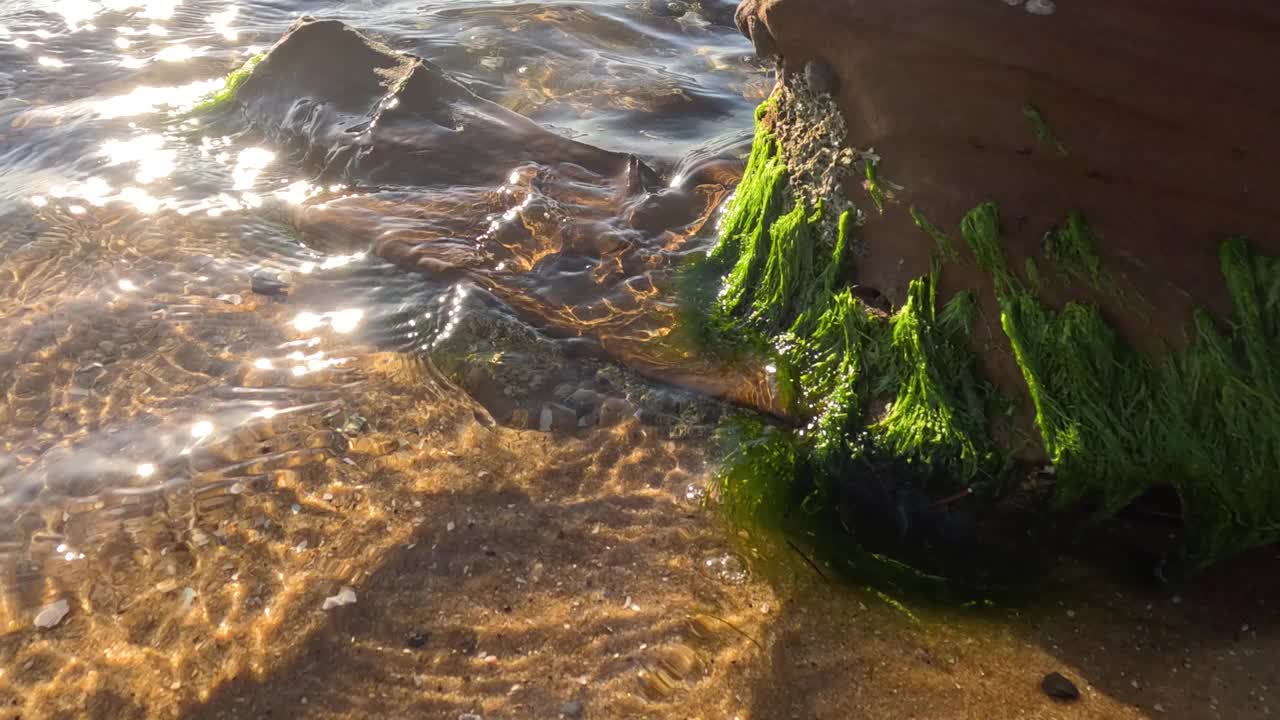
(572, 709)
(1057, 686)
(1040, 7)
(354, 425)
(558, 418)
(265, 282)
(345, 596)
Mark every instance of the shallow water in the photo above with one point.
(229, 391)
(144, 380)
(220, 405)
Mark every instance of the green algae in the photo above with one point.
(1040, 128)
(783, 283)
(871, 173)
(230, 86)
(944, 248)
(1072, 247)
(904, 387)
(758, 481)
(938, 414)
(786, 282)
(1116, 424)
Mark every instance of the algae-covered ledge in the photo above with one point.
(903, 386)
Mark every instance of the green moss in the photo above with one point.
(835, 348)
(224, 95)
(872, 183)
(1206, 421)
(757, 484)
(1040, 128)
(902, 391)
(944, 247)
(1072, 247)
(784, 283)
(938, 413)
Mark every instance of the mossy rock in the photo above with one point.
(1111, 422)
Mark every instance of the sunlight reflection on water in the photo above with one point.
(166, 418)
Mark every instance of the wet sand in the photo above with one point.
(504, 573)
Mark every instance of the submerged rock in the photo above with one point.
(569, 237)
(271, 284)
(360, 110)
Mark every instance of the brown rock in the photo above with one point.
(761, 40)
(1166, 152)
(821, 77)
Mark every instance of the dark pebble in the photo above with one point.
(614, 411)
(665, 8)
(583, 400)
(557, 418)
(354, 425)
(1057, 686)
(821, 77)
(415, 639)
(264, 282)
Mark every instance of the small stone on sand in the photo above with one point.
(345, 596)
(1057, 686)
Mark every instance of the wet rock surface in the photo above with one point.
(821, 77)
(576, 241)
(918, 86)
(359, 110)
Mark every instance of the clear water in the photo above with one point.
(149, 396)
(193, 465)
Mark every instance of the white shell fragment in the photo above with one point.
(52, 614)
(345, 596)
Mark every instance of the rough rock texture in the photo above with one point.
(572, 237)
(1115, 274)
(1156, 121)
(363, 112)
